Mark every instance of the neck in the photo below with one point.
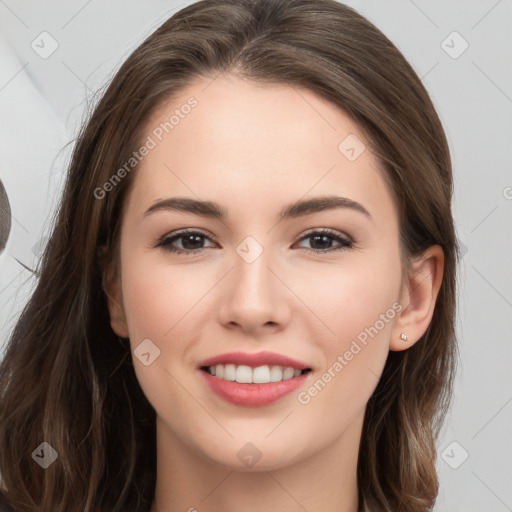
(326, 481)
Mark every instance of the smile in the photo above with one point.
(253, 380)
(260, 375)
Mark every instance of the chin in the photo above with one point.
(255, 456)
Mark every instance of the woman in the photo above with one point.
(247, 301)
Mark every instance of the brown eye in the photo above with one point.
(184, 242)
(321, 241)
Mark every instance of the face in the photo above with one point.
(320, 285)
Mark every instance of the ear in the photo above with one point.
(111, 281)
(418, 298)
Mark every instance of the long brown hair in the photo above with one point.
(68, 380)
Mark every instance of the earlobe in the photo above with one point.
(112, 287)
(117, 316)
(419, 295)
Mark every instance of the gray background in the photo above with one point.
(42, 103)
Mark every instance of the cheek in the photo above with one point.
(157, 296)
(167, 304)
(358, 303)
(161, 304)
(350, 298)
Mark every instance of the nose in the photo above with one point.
(254, 298)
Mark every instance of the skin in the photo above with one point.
(255, 149)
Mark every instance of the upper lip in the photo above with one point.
(254, 359)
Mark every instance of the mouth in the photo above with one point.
(244, 374)
(253, 380)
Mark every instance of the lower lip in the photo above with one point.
(253, 395)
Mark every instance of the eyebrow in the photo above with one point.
(299, 208)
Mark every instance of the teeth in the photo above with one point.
(229, 372)
(247, 375)
(288, 373)
(243, 374)
(276, 374)
(261, 375)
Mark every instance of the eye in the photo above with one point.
(321, 240)
(189, 241)
(184, 242)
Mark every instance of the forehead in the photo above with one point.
(238, 142)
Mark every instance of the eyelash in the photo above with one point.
(345, 243)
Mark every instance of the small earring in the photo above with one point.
(403, 336)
